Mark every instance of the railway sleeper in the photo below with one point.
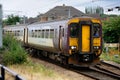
(107, 70)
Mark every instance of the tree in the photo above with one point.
(111, 30)
(94, 10)
(11, 20)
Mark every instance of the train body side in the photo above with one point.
(46, 36)
(17, 31)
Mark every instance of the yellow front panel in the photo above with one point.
(73, 42)
(96, 21)
(75, 20)
(85, 38)
(96, 42)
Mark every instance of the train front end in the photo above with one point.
(85, 40)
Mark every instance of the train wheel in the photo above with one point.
(65, 60)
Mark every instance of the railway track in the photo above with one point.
(99, 74)
(111, 71)
(95, 74)
(102, 71)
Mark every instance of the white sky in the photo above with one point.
(32, 8)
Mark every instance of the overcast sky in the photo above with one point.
(32, 8)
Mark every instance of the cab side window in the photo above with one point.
(73, 30)
(96, 30)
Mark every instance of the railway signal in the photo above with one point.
(111, 9)
(118, 7)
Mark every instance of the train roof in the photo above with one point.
(62, 20)
(48, 22)
(15, 27)
(20, 25)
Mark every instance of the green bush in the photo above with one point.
(111, 57)
(13, 53)
(111, 30)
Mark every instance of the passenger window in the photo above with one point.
(43, 33)
(32, 33)
(21, 32)
(15, 33)
(55, 33)
(51, 33)
(39, 33)
(36, 33)
(47, 33)
(29, 33)
(73, 29)
(18, 33)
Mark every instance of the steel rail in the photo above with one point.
(104, 72)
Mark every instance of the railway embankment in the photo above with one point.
(15, 58)
(38, 69)
(112, 55)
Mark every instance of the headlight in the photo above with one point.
(73, 47)
(96, 47)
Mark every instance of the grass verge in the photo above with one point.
(111, 55)
(34, 71)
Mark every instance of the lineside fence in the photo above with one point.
(112, 45)
(7, 74)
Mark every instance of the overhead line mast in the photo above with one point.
(0, 25)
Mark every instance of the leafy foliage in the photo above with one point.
(111, 30)
(11, 20)
(111, 55)
(13, 52)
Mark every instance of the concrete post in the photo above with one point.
(0, 25)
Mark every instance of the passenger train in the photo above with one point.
(76, 41)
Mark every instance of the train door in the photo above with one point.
(61, 37)
(56, 39)
(85, 37)
(26, 35)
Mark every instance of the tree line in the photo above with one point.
(111, 30)
(11, 20)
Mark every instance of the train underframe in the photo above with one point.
(81, 60)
